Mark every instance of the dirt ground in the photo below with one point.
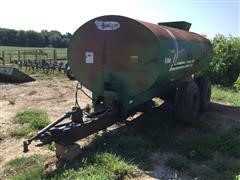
(53, 96)
(56, 96)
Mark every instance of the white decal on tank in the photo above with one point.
(107, 25)
(173, 51)
(167, 60)
(89, 57)
(176, 53)
(180, 67)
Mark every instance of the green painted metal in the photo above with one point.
(131, 61)
(178, 24)
(13, 75)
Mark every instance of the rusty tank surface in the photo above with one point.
(130, 61)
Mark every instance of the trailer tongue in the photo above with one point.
(75, 125)
(69, 132)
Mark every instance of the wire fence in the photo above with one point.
(10, 56)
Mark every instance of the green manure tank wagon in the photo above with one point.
(129, 62)
(125, 63)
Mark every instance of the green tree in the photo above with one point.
(22, 38)
(10, 37)
(225, 66)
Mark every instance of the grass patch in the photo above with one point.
(178, 163)
(226, 168)
(23, 132)
(25, 167)
(95, 166)
(99, 166)
(200, 147)
(36, 118)
(31, 120)
(204, 146)
(219, 152)
(133, 146)
(220, 168)
(224, 94)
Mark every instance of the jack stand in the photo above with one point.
(66, 153)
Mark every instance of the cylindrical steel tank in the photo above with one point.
(119, 58)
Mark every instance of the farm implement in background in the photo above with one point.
(43, 60)
(13, 75)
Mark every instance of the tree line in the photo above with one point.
(11, 37)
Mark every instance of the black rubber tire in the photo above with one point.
(187, 102)
(204, 85)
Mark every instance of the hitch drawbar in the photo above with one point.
(44, 130)
(77, 126)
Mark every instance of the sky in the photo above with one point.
(208, 17)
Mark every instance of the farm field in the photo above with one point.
(163, 149)
(15, 48)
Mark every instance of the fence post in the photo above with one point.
(3, 57)
(10, 57)
(19, 55)
(36, 54)
(54, 55)
(24, 55)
